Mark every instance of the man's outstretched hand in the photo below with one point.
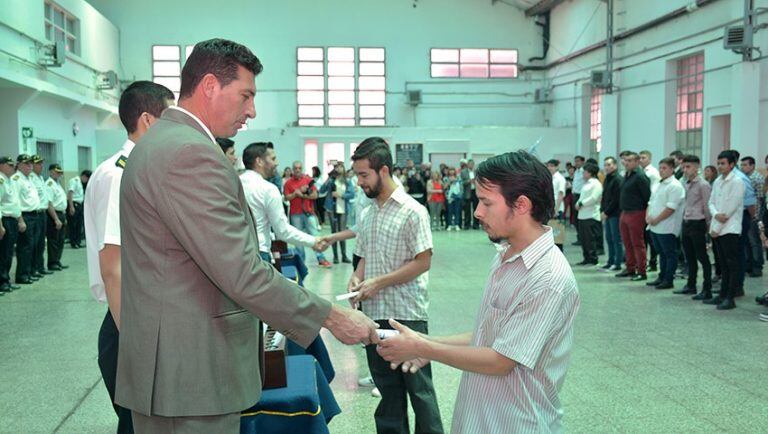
(351, 326)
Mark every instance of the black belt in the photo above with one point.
(40, 211)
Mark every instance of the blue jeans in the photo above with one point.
(613, 238)
(454, 213)
(666, 244)
(308, 224)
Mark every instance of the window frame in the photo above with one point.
(50, 27)
(689, 88)
(178, 61)
(488, 64)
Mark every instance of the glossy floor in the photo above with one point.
(643, 360)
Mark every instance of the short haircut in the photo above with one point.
(631, 155)
(219, 57)
(735, 153)
(592, 169)
(677, 154)
(554, 162)
(647, 153)
(691, 159)
(376, 151)
(142, 97)
(749, 160)
(86, 172)
(611, 159)
(712, 168)
(225, 144)
(520, 174)
(254, 151)
(579, 158)
(728, 155)
(591, 160)
(669, 162)
(625, 153)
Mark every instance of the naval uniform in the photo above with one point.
(11, 212)
(38, 244)
(58, 199)
(75, 225)
(30, 204)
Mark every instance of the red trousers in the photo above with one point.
(632, 228)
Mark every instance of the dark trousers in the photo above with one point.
(38, 243)
(55, 240)
(391, 415)
(11, 225)
(744, 254)
(666, 245)
(24, 246)
(613, 238)
(575, 215)
(468, 206)
(651, 247)
(338, 224)
(631, 225)
(75, 226)
(757, 255)
(589, 230)
(475, 202)
(694, 243)
(454, 213)
(108, 349)
(728, 251)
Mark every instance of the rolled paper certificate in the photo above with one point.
(347, 296)
(385, 333)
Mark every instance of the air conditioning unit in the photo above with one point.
(414, 97)
(107, 80)
(53, 55)
(542, 95)
(600, 79)
(738, 38)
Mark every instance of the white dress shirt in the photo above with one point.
(28, 198)
(653, 175)
(42, 191)
(75, 185)
(589, 201)
(558, 185)
(9, 197)
(727, 198)
(56, 195)
(669, 194)
(266, 204)
(578, 180)
(102, 215)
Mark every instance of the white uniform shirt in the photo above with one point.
(266, 204)
(670, 194)
(56, 194)
(9, 197)
(591, 194)
(727, 198)
(526, 315)
(28, 198)
(42, 191)
(102, 214)
(558, 185)
(653, 175)
(76, 187)
(578, 180)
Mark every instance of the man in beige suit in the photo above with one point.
(194, 288)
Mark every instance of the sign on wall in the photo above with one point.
(409, 151)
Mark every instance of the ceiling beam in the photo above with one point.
(541, 7)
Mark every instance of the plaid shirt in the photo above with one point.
(389, 237)
(758, 183)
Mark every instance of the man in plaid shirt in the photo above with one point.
(395, 243)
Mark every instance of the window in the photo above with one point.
(83, 158)
(310, 156)
(61, 26)
(166, 67)
(690, 104)
(473, 63)
(595, 124)
(340, 86)
(332, 152)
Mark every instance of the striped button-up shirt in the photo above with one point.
(526, 315)
(389, 237)
(697, 193)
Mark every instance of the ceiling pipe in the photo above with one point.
(542, 7)
(544, 35)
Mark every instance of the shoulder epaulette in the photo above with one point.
(16, 177)
(2, 181)
(121, 162)
(50, 182)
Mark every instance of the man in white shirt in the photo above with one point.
(588, 207)
(30, 204)
(558, 185)
(75, 197)
(726, 204)
(664, 218)
(266, 202)
(13, 222)
(655, 178)
(46, 212)
(56, 212)
(140, 106)
(516, 359)
(576, 185)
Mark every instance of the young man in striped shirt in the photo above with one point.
(515, 360)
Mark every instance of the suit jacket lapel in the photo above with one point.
(178, 116)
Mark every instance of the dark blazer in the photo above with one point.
(609, 204)
(194, 287)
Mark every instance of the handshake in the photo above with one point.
(322, 243)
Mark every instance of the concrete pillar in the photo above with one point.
(745, 108)
(609, 120)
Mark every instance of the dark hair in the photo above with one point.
(578, 157)
(613, 160)
(591, 168)
(86, 172)
(225, 144)
(142, 97)
(712, 168)
(625, 153)
(520, 174)
(254, 151)
(669, 161)
(219, 57)
(631, 154)
(554, 162)
(315, 172)
(736, 153)
(676, 154)
(376, 151)
(729, 155)
(749, 160)
(691, 159)
(591, 160)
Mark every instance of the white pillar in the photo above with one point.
(745, 108)
(609, 120)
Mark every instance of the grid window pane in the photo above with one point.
(503, 71)
(311, 111)
(341, 122)
(443, 55)
(341, 54)
(172, 83)
(372, 83)
(166, 69)
(689, 119)
(371, 111)
(311, 122)
(310, 68)
(369, 68)
(371, 54)
(473, 55)
(503, 56)
(445, 70)
(372, 122)
(474, 70)
(372, 97)
(165, 52)
(310, 53)
(341, 83)
(310, 97)
(58, 17)
(310, 83)
(341, 97)
(341, 111)
(346, 69)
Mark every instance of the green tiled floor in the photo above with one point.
(644, 360)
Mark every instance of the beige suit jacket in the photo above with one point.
(193, 285)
